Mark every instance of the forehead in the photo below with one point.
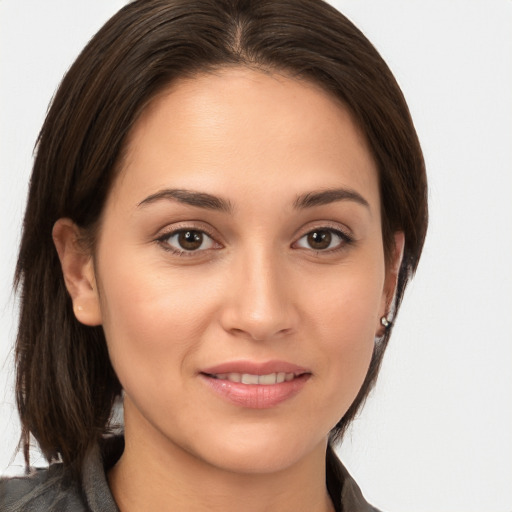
(246, 127)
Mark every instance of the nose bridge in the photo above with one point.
(260, 307)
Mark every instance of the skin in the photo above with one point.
(254, 290)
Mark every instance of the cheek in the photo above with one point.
(345, 313)
(151, 322)
(347, 303)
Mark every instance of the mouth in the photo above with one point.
(256, 386)
(252, 379)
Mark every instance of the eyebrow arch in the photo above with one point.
(190, 197)
(321, 197)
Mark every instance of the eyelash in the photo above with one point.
(344, 239)
(163, 240)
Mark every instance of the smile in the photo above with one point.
(255, 385)
(252, 379)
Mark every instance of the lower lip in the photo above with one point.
(256, 396)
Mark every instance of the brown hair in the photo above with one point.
(66, 385)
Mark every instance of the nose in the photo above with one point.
(261, 304)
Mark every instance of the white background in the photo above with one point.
(437, 433)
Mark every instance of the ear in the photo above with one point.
(392, 272)
(78, 270)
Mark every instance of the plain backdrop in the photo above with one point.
(436, 435)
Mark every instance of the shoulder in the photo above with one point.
(45, 490)
(55, 490)
(343, 489)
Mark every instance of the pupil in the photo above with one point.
(319, 239)
(190, 240)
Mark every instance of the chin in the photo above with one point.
(261, 452)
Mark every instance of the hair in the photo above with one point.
(66, 386)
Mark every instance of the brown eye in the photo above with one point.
(319, 240)
(323, 239)
(188, 240)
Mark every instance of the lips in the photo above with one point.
(256, 385)
(252, 379)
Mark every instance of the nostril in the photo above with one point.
(258, 314)
(260, 334)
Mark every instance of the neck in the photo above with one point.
(163, 476)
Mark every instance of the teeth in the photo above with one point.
(267, 379)
(247, 378)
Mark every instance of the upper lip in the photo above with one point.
(255, 368)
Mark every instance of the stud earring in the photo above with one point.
(79, 308)
(386, 322)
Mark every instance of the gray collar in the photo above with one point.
(53, 489)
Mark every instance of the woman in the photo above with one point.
(227, 203)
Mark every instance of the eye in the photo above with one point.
(323, 239)
(188, 240)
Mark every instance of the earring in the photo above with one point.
(386, 322)
(79, 308)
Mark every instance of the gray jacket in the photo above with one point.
(53, 490)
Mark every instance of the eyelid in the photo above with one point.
(192, 225)
(343, 232)
(328, 225)
(174, 229)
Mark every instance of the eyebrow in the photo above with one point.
(211, 202)
(190, 197)
(322, 197)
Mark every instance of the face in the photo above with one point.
(240, 269)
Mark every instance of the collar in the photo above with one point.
(345, 493)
